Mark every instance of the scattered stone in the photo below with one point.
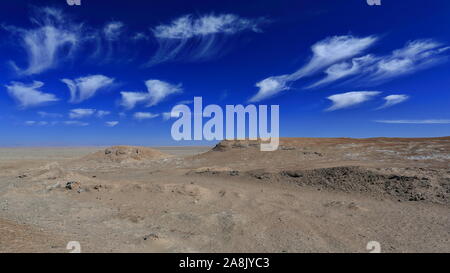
(234, 173)
(259, 174)
(417, 197)
(353, 205)
(239, 145)
(119, 154)
(152, 236)
(73, 185)
(293, 173)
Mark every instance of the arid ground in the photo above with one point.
(311, 195)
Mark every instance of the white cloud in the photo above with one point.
(81, 113)
(417, 121)
(196, 38)
(392, 100)
(345, 100)
(75, 123)
(111, 123)
(113, 30)
(414, 56)
(166, 115)
(30, 122)
(157, 91)
(270, 87)
(112, 44)
(326, 52)
(87, 112)
(131, 99)
(53, 39)
(28, 95)
(101, 113)
(332, 50)
(187, 26)
(84, 88)
(144, 115)
(37, 123)
(346, 69)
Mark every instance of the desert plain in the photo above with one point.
(311, 195)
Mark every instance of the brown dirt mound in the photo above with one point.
(287, 143)
(119, 154)
(355, 179)
(330, 152)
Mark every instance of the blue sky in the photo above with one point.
(104, 74)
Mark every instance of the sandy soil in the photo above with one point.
(312, 195)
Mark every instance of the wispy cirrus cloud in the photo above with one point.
(131, 99)
(144, 115)
(166, 115)
(111, 123)
(414, 56)
(187, 26)
(157, 91)
(113, 30)
(102, 113)
(415, 121)
(345, 69)
(325, 53)
(270, 87)
(76, 123)
(53, 39)
(36, 123)
(87, 112)
(29, 95)
(198, 37)
(392, 100)
(81, 113)
(350, 99)
(112, 43)
(84, 88)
